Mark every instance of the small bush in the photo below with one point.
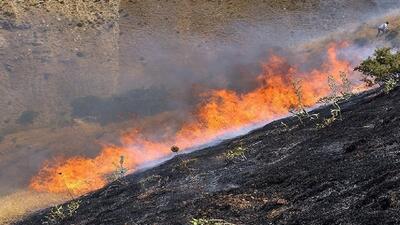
(119, 172)
(335, 115)
(299, 110)
(239, 152)
(174, 149)
(183, 166)
(204, 221)
(383, 68)
(339, 92)
(390, 84)
(27, 117)
(60, 213)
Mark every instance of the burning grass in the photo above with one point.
(221, 111)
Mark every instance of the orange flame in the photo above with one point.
(222, 111)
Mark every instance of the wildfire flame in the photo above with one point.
(222, 111)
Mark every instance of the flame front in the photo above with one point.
(222, 111)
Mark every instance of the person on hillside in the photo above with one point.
(383, 28)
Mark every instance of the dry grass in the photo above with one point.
(22, 202)
(365, 32)
(81, 10)
(275, 213)
(246, 201)
(32, 143)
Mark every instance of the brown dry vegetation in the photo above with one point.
(23, 151)
(208, 17)
(364, 34)
(52, 53)
(21, 202)
(84, 11)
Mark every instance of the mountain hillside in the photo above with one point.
(284, 173)
(78, 74)
(56, 52)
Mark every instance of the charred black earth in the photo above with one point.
(346, 173)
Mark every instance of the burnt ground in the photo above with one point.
(346, 173)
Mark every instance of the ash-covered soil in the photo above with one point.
(346, 173)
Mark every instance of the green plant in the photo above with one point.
(346, 85)
(390, 84)
(56, 214)
(383, 68)
(299, 94)
(72, 207)
(300, 114)
(239, 152)
(60, 213)
(285, 126)
(120, 171)
(335, 98)
(184, 165)
(27, 117)
(299, 110)
(339, 92)
(335, 115)
(204, 221)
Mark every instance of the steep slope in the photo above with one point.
(346, 173)
(51, 54)
(54, 52)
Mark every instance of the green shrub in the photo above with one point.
(339, 92)
(27, 117)
(239, 152)
(382, 68)
(60, 213)
(119, 172)
(183, 166)
(205, 221)
(299, 110)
